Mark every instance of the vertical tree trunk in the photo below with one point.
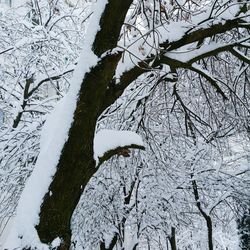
(210, 232)
(204, 214)
(172, 239)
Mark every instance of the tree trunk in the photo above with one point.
(76, 165)
(210, 232)
(204, 214)
(172, 239)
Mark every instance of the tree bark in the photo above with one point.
(76, 165)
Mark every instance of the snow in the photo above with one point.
(191, 53)
(106, 140)
(174, 31)
(53, 137)
(56, 242)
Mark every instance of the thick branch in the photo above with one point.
(115, 90)
(110, 25)
(211, 52)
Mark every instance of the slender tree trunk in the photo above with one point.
(204, 214)
(172, 239)
(210, 232)
(18, 118)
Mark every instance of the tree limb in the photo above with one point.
(124, 151)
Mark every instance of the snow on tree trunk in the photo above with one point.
(77, 165)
